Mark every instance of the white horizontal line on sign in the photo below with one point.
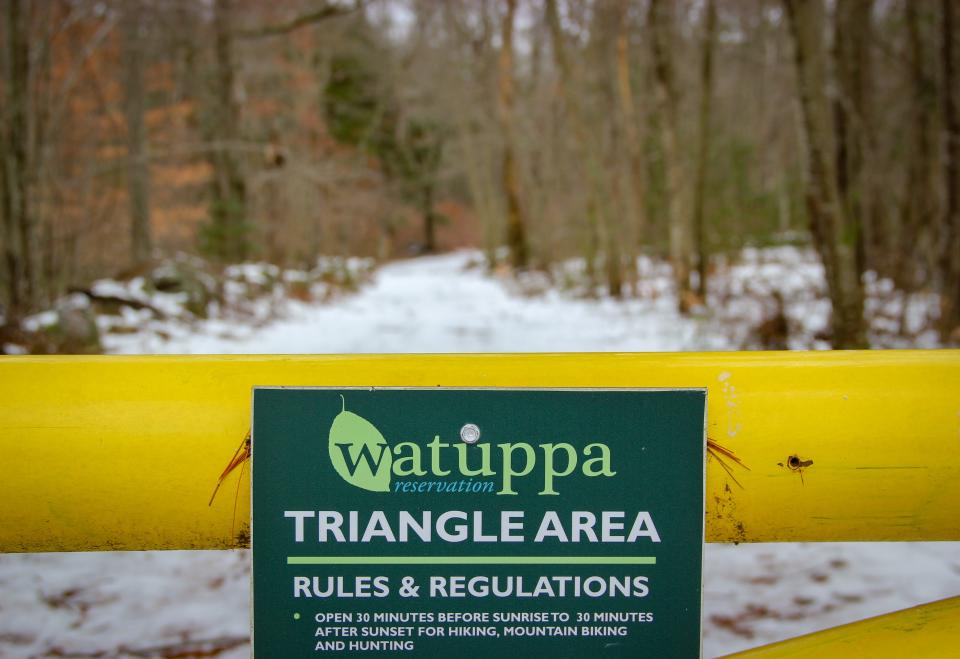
(471, 560)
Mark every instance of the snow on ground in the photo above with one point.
(436, 304)
(152, 603)
(743, 292)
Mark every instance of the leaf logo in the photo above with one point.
(359, 453)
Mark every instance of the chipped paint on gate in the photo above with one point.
(729, 393)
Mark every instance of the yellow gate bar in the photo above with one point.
(123, 452)
(931, 630)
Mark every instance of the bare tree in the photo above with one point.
(471, 103)
(852, 109)
(227, 233)
(916, 227)
(138, 172)
(703, 152)
(18, 219)
(834, 232)
(950, 246)
(636, 179)
(660, 23)
(588, 159)
(516, 225)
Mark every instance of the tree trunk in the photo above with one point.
(10, 273)
(834, 233)
(916, 226)
(516, 229)
(680, 222)
(483, 189)
(18, 220)
(429, 221)
(920, 194)
(470, 114)
(601, 224)
(606, 176)
(636, 181)
(706, 91)
(950, 252)
(590, 238)
(852, 112)
(138, 174)
(229, 199)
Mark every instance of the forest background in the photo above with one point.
(535, 130)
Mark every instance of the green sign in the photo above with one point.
(477, 522)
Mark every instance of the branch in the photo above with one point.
(322, 14)
(116, 300)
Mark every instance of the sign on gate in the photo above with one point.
(477, 522)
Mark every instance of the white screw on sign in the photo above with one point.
(470, 433)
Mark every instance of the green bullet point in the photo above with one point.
(296, 616)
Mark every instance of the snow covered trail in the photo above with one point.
(441, 304)
(99, 604)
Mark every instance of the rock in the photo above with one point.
(773, 333)
(76, 327)
(181, 277)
